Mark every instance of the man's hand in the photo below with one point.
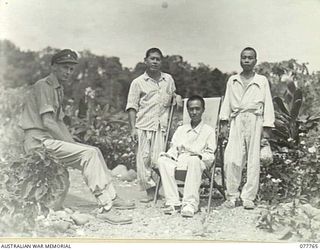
(224, 129)
(178, 101)
(134, 135)
(266, 132)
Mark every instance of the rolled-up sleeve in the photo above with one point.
(226, 107)
(208, 152)
(268, 115)
(173, 151)
(133, 96)
(45, 98)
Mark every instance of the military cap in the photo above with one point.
(65, 56)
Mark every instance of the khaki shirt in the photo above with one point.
(151, 99)
(46, 95)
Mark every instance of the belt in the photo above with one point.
(254, 108)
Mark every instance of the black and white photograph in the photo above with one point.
(160, 121)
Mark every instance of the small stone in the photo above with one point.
(80, 219)
(61, 226)
(120, 171)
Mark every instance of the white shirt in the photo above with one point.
(200, 140)
(240, 98)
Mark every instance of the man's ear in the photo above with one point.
(54, 67)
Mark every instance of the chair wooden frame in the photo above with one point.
(207, 173)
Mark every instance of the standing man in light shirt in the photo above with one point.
(149, 100)
(193, 147)
(42, 122)
(248, 108)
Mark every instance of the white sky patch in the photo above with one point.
(208, 31)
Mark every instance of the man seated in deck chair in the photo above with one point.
(193, 147)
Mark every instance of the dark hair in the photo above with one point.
(251, 49)
(194, 98)
(154, 50)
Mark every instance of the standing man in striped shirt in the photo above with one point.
(148, 105)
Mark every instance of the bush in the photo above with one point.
(30, 185)
(111, 135)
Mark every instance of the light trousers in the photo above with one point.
(194, 167)
(150, 144)
(89, 160)
(243, 148)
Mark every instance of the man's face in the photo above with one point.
(64, 71)
(248, 60)
(153, 61)
(195, 110)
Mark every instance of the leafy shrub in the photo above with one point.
(294, 171)
(10, 108)
(29, 186)
(295, 219)
(111, 136)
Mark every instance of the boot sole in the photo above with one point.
(118, 223)
(124, 208)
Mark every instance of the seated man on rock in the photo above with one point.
(42, 122)
(193, 147)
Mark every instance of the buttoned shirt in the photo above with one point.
(151, 99)
(255, 98)
(45, 96)
(200, 140)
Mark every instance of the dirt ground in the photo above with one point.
(149, 222)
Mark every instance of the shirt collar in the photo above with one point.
(237, 78)
(196, 129)
(146, 77)
(53, 81)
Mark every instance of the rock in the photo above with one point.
(120, 170)
(61, 226)
(68, 210)
(61, 214)
(131, 175)
(80, 219)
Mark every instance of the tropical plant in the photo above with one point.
(288, 125)
(30, 185)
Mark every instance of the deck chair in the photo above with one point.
(211, 118)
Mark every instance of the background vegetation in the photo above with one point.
(95, 103)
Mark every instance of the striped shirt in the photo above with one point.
(151, 99)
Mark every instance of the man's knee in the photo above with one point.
(91, 150)
(194, 161)
(162, 161)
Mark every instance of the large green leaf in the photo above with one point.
(281, 105)
(297, 95)
(291, 87)
(279, 134)
(295, 109)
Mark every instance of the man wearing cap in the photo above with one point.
(149, 99)
(42, 122)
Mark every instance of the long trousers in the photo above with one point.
(243, 148)
(150, 144)
(89, 160)
(194, 167)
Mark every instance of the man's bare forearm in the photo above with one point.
(54, 129)
(132, 118)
